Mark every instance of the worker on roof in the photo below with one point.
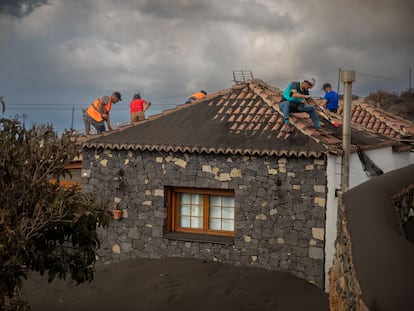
(293, 101)
(137, 107)
(195, 96)
(98, 112)
(330, 100)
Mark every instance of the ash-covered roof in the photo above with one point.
(244, 119)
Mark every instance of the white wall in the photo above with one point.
(384, 158)
(334, 182)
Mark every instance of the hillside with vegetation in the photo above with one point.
(401, 105)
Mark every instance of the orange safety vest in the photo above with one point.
(198, 95)
(93, 110)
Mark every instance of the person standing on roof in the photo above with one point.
(195, 96)
(292, 101)
(330, 100)
(98, 111)
(137, 107)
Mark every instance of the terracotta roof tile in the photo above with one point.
(380, 121)
(244, 119)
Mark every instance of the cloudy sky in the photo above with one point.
(57, 56)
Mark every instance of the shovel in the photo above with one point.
(324, 114)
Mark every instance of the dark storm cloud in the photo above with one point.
(184, 9)
(376, 24)
(66, 53)
(20, 8)
(248, 14)
(371, 37)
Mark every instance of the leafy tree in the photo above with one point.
(43, 227)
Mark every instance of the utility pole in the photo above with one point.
(339, 79)
(3, 105)
(24, 120)
(73, 113)
(348, 76)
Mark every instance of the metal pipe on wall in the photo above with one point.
(347, 77)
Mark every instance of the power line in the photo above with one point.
(378, 76)
(47, 106)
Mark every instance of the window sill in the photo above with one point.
(193, 237)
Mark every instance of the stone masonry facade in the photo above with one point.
(344, 289)
(280, 207)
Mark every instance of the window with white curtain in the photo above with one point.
(203, 211)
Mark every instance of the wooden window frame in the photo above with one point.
(173, 219)
(69, 183)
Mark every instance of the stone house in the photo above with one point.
(218, 179)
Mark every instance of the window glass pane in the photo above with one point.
(184, 198)
(184, 210)
(228, 212)
(215, 224)
(228, 225)
(196, 222)
(197, 199)
(196, 210)
(215, 200)
(190, 210)
(215, 212)
(221, 213)
(228, 201)
(184, 222)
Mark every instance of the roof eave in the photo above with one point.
(207, 150)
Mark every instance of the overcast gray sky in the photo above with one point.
(57, 56)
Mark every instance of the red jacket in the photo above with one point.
(137, 105)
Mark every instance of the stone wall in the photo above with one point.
(375, 274)
(344, 288)
(280, 207)
(404, 204)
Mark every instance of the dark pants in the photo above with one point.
(288, 107)
(99, 126)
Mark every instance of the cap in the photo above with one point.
(204, 92)
(117, 94)
(311, 80)
(325, 85)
